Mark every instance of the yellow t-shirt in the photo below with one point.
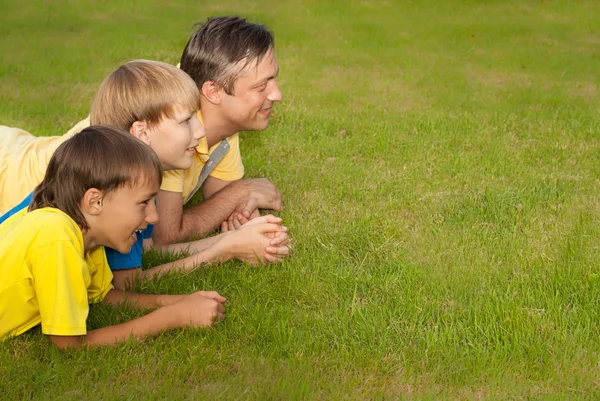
(23, 161)
(45, 276)
(230, 168)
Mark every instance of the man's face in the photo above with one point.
(175, 139)
(254, 93)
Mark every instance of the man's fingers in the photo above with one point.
(250, 207)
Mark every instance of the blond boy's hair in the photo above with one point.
(143, 90)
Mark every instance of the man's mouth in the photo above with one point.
(265, 112)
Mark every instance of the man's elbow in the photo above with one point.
(164, 236)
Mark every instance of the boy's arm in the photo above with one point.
(252, 244)
(262, 240)
(177, 224)
(200, 309)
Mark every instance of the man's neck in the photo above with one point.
(216, 129)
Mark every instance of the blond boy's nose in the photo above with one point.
(151, 214)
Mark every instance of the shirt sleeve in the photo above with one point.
(61, 279)
(230, 168)
(172, 181)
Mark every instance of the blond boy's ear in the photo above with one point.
(211, 91)
(139, 129)
(91, 203)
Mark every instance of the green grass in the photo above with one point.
(439, 162)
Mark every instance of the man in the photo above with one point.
(233, 63)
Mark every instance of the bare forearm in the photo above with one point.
(142, 301)
(191, 247)
(212, 254)
(146, 326)
(206, 217)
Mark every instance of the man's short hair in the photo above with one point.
(143, 90)
(222, 47)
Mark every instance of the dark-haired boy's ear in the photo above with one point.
(92, 201)
(139, 129)
(211, 91)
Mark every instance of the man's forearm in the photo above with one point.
(206, 217)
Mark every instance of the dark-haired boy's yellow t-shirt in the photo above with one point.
(45, 275)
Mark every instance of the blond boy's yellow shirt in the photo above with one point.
(45, 275)
(24, 159)
(230, 168)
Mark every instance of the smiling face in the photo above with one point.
(124, 211)
(175, 139)
(254, 93)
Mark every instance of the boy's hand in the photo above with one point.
(200, 309)
(235, 221)
(260, 240)
(278, 247)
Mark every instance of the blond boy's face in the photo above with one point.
(175, 139)
(126, 210)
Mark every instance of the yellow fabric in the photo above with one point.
(24, 158)
(45, 276)
(230, 168)
(23, 161)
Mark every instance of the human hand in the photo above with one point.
(235, 221)
(262, 194)
(200, 309)
(260, 240)
(278, 247)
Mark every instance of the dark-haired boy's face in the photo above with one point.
(254, 94)
(126, 210)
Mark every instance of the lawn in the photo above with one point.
(439, 162)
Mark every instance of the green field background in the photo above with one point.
(439, 165)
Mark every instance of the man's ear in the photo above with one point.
(139, 129)
(91, 203)
(211, 91)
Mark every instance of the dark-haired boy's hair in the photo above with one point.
(101, 157)
(222, 47)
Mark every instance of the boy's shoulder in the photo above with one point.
(42, 225)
